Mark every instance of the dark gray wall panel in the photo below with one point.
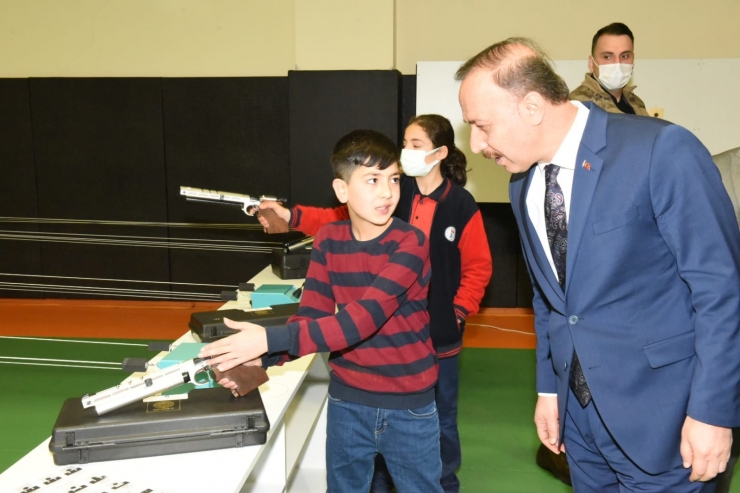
(99, 154)
(17, 187)
(227, 134)
(508, 287)
(119, 149)
(408, 102)
(324, 106)
(524, 291)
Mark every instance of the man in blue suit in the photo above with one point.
(634, 256)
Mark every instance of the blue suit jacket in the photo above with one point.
(652, 295)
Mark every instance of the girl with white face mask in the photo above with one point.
(421, 156)
(434, 200)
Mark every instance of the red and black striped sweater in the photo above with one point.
(381, 351)
(460, 256)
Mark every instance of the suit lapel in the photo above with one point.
(585, 178)
(544, 273)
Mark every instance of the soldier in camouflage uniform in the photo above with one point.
(591, 90)
(611, 61)
(728, 163)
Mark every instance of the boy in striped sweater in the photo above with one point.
(365, 300)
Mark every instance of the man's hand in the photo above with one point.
(243, 347)
(547, 422)
(705, 449)
(281, 212)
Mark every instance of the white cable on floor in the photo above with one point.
(501, 328)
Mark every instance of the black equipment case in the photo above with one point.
(208, 419)
(209, 326)
(290, 264)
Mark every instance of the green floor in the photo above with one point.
(496, 404)
(33, 395)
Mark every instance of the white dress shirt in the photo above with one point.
(565, 157)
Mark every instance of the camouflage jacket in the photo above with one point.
(591, 90)
(728, 163)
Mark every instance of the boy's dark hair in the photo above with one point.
(613, 29)
(362, 148)
(440, 132)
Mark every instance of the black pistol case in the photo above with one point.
(208, 419)
(290, 265)
(209, 326)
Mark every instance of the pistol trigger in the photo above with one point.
(201, 371)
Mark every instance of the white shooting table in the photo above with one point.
(292, 460)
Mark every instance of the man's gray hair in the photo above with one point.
(519, 66)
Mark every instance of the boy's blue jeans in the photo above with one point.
(407, 438)
(449, 440)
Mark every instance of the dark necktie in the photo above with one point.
(556, 222)
(556, 225)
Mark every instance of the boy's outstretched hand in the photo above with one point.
(246, 345)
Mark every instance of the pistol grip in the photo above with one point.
(246, 378)
(277, 225)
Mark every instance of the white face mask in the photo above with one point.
(414, 162)
(614, 76)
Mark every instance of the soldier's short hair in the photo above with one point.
(613, 29)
